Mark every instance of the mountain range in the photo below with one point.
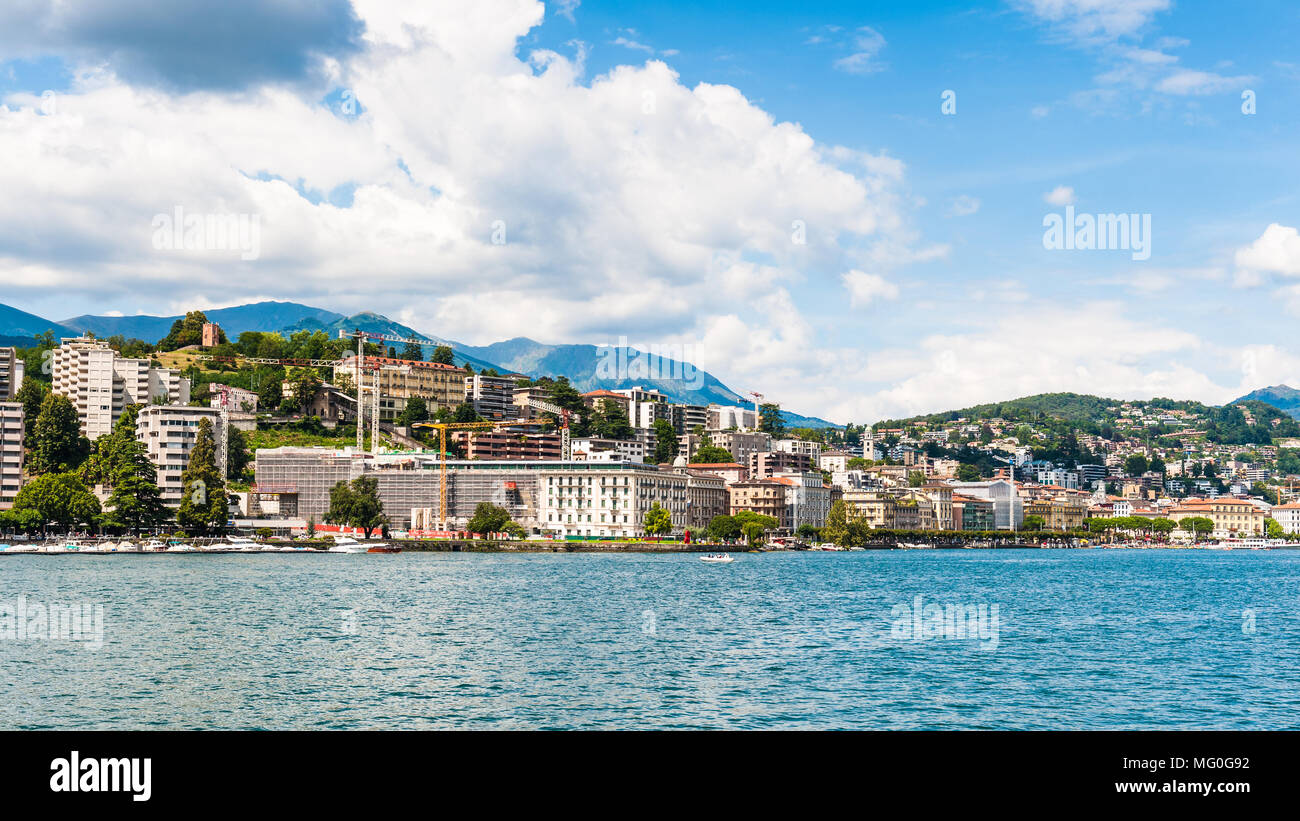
(1282, 397)
(587, 367)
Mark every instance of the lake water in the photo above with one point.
(1078, 639)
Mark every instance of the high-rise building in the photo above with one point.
(11, 452)
(11, 374)
(493, 397)
(169, 433)
(102, 384)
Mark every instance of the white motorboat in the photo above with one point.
(717, 558)
(347, 544)
(244, 544)
(153, 546)
(180, 547)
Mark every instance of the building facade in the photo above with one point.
(101, 384)
(169, 433)
(11, 374)
(11, 452)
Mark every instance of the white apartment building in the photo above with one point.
(645, 407)
(807, 499)
(799, 446)
(11, 452)
(102, 384)
(1287, 515)
(493, 397)
(724, 417)
(610, 502)
(11, 374)
(740, 444)
(834, 461)
(168, 433)
(588, 448)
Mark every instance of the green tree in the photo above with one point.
(32, 394)
(136, 503)
(1033, 522)
(367, 509)
(657, 521)
(413, 351)
(754, 526)
(915, 478)
(488, 518)
(238, 456)
(722, 527)
(204, 507)
(60, 499)
(1273, 530)
(443, 355)
(713, 455)
(968, 473)
(415, 410)
(57, 445)
(665, 442)
(770, 419)
(303, 382)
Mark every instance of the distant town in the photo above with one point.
(293, 435)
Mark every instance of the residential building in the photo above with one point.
(972, 513)
(798, 446)
(169, 433)
(493, 397)
(491, 444)
(764, 464)
(439, 385)
(834, 461)
(11, 374)
(632, 450)
(730, 472)
(1231, 517)
(687, 418)
(766, 497)
(11, 452)
(940, 494)
(597, 399)
(610, 503)
(740, 444)
(230, 398)
(727, 417)
(706, 497)
(102, 384)
(1288, 516)
(646, 406)
(807, 498)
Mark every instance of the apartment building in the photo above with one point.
(646, 406)
(940, 494)
(729, 471)
(439, 385)
(706, 497)
(1231, 517)
(798, 446)
(726, 417)
(686, 418)
(102, 384)
(11, 373)
(764, 464)
(972, 513)
(834, 461)
(493, 397)
(633, 450)
(11, 452)
(505, 445)
(763, 496)
(741, 444)
(610, 502)
(169, 433)
(1288, 516)
(807, 498)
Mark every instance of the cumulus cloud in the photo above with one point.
(963, 206)
(1276, 251)
(1061, 195)
(866, 288)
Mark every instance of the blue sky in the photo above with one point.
(924, 283)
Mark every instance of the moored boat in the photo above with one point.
(717, 558)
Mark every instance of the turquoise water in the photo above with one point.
(1083, 639)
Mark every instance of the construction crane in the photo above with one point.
(442, 428)
(359, 364)
(566, 449)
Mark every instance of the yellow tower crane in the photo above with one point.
(442, 428)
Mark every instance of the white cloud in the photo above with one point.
(1060, 195)
(1187, 82)
(866, 288)
(1097, 20)
(1276, 251)
(867, 44)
